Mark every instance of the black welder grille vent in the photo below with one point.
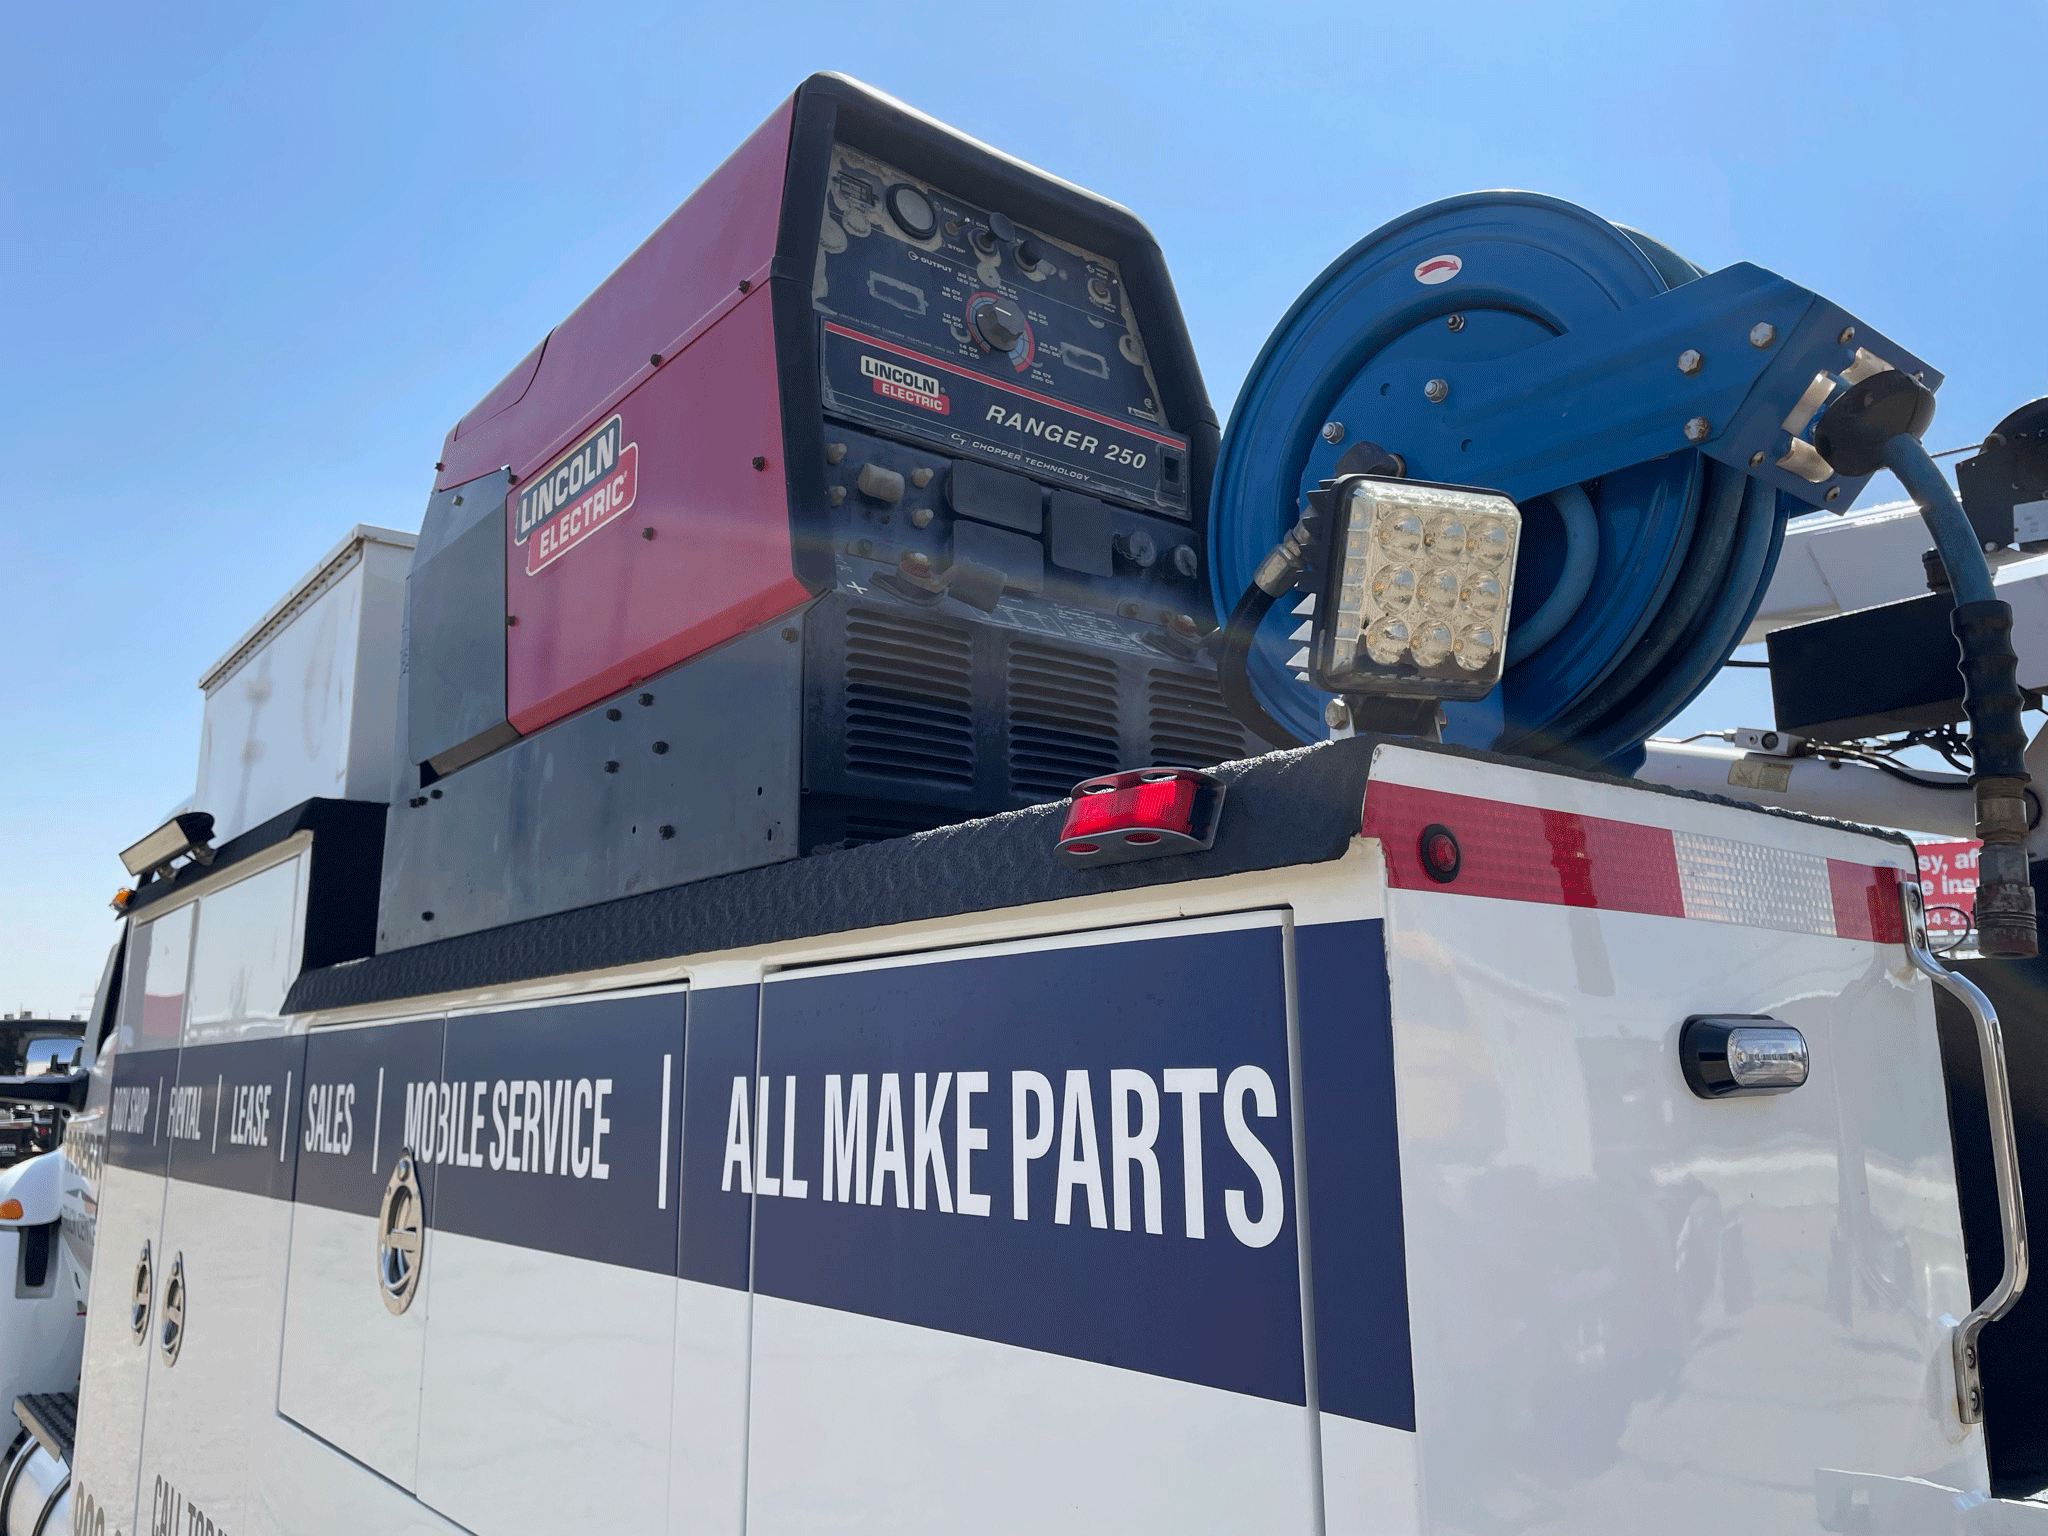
(909, 700)
(1063, 718)
(1190, 726)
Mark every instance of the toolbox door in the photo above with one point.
(227, 1218)
(354, 1332)
(550, 1286)
(1025, 1244)
(128, 1204)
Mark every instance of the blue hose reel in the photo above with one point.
(1652, 421)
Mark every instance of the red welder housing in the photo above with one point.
(758, 554)
(679, 342)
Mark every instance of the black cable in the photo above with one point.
(1884, 765)
(1233, 652)
(1963, 935)
(1733, 663)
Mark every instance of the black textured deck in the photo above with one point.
(52, 1417)
(1298, 807)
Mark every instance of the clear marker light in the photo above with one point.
(1414, 602)
(1738, 1055)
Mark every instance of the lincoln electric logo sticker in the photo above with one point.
(906, 384)
(576, 495)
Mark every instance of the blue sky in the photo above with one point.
(256, 259)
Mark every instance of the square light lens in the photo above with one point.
(1415, 598)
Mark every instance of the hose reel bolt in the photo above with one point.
(1333, 431)
(1436, 391)
(1834, 493)
(1848, 335)
(1762, 334)
(1689, 362)
(1455, 322)
(1756, 458)
(1697, 430)
(1337, 715)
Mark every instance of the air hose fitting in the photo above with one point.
(1279, 571)
(1877, 424)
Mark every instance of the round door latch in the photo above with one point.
(400, 1234)
(139, 1296)
(173, 1332)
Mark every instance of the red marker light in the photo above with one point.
(1148, 813)
(1441, 856)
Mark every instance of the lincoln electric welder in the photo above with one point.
(866, 495)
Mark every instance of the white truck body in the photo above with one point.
(1314, 1197)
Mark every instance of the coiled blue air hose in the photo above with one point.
(1574, 581)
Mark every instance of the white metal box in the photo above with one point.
(304, 704)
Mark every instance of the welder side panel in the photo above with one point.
(662, 531)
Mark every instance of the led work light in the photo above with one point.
(1413, 601)
(189, 832)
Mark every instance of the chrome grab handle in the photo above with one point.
(2012, 1212)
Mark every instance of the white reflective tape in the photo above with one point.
(1725, 881)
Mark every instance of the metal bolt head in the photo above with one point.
(1436, 391)
(1182, 624)
(916, 563)
(1336, 714)
(1762, 334)
(1756, 458)
(1834, 493)
(1456, 323)
(1697, 430)
(1333, 431)
(1848, 335)
(920, 517)
(1689, 362)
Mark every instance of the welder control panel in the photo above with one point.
(947, 323)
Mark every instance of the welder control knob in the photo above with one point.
(999, 323)
(1138, 547)
(1029, 254)
(881, 484)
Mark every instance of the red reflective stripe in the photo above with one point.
(1866, 902)
(1521, 853)
(1559, 858)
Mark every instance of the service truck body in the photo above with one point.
(931, 1186)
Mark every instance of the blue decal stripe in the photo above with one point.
(1053, 1206)
(1358, 1276)
(1084, 1150)
(717, 1225)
